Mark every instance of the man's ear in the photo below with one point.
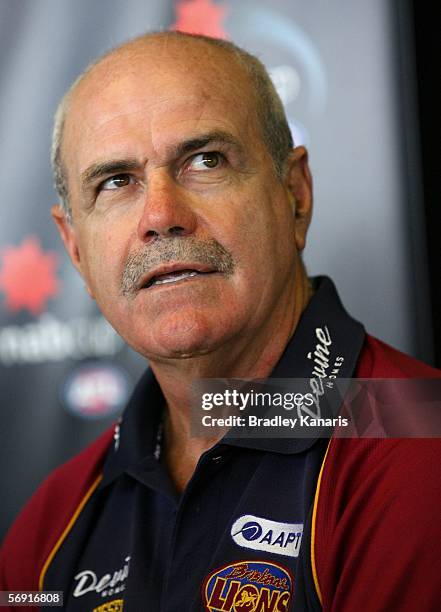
(69, 238)
(298, 181)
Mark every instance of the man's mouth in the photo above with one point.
(173, 262)
(174, 277)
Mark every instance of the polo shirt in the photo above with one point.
(370, 543)
(238, 536)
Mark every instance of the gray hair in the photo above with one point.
(271, 114)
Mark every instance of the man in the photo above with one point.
(185, 209)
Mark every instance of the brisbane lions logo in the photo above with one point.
(248, 586)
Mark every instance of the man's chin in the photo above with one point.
(175, 351)
(183, 339)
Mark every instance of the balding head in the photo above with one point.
(180, 168)
(222, 56)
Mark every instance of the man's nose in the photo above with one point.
(167, 209)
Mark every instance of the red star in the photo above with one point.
(28, 276)
(200, 17)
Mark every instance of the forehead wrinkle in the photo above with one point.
(100, 120)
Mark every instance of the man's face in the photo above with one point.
(181, 230)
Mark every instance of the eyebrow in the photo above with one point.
(101, 169)
(118, 166)
(203, 140)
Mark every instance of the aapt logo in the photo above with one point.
(248, 586)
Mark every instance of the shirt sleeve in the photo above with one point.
(41, 523)
(378, 527)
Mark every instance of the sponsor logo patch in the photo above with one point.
(248, 586)
(115, 605)
(106, 585)
(270, 536)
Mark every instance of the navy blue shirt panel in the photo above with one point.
(230, 540)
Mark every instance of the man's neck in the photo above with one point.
(253, 358)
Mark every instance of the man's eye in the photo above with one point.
(206, 161)
(116, 182)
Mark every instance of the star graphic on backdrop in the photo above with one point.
(27, 276)
(200, 17)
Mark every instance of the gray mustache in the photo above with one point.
(203, 252)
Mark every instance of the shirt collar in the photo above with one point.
(137, 435)
(324, 314)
